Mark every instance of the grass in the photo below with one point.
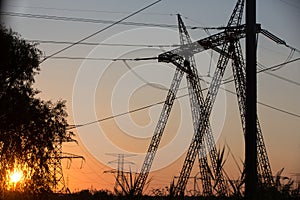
(265, 194)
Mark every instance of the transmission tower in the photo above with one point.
(120, 177)
(55, 166)
(184, 61)
(206, 107)
(231, 49)
(197, 102)
(227, 44)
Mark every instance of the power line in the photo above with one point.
(138, 59)
(103, 44)
(267, 105)
(277, 76)
(279, 65)
(142, 79)
(98, 21)
(101, 30)
(290, 4)
(263, 69)
(90, 58)
(87, 20)
(264, 32)
(161, 102)
(121, 114)
(151, 105)
(271, 68)
(281, 110)
(87, 10)
(283, 78)
(102, 59)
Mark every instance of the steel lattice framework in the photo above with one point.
(55, 166)
(206, 108)
(197, 102)
(227, 44)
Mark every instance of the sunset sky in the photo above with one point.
(97, 89)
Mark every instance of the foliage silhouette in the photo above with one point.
(29, 126)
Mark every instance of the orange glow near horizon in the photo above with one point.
(14, 177)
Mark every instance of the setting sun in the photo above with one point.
(16, 176)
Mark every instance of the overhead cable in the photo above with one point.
(261, 67)
(99, 21)
(103, 44)
(101, 30)
(161, 102)
(86, 10)
(278, 65)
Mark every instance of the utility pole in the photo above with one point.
(251, 179)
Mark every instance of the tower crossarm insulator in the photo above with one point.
(176, 56)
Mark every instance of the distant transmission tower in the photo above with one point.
(120, 172)
(58, 180)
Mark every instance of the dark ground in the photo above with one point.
(106, 195)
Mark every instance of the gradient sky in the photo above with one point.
(99, 89)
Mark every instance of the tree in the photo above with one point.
(29, 126)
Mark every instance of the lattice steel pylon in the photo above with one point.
(120, 183)
(181, 57)
(55, 166)
(197, 102)
(206, 108)
(231, 50)
(152, 149)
